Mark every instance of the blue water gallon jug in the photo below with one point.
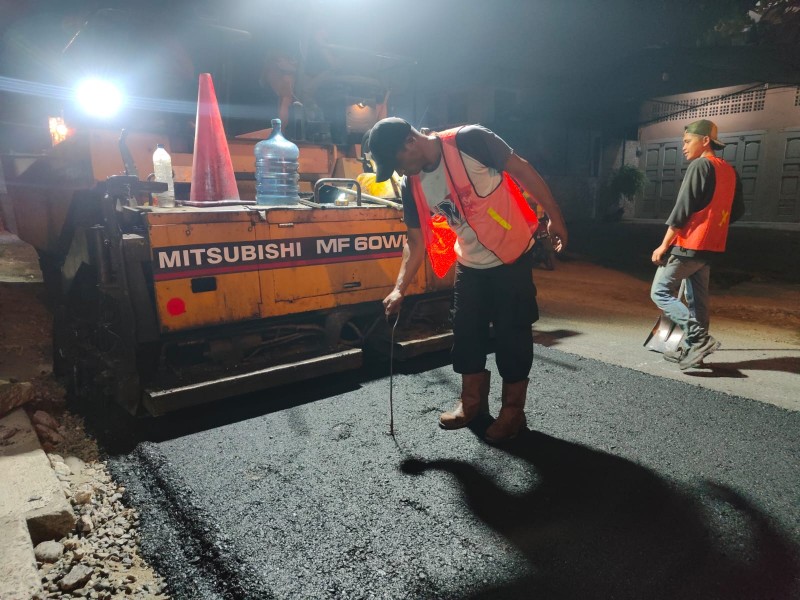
(276, 169)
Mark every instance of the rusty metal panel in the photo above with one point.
(375, 277)
(105, 156)
(159, 401)
(314, 158)
(43, 191)
(191, 215)
(336, 257)
(200, 275)
(275, 262)
(315, 161)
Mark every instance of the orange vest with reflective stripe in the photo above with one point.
(707, 229)
(503, 221)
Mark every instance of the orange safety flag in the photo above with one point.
(439, 238)
(440, 245)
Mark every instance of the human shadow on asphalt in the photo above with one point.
(550, 339)
(787, 364)
(597, 526)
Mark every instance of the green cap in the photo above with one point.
(705, 127)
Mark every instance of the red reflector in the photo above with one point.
(176, 306)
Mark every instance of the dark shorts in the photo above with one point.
(506, 297)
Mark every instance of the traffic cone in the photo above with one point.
(212, 170)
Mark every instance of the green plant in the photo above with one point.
(628, 181)
(625, 182)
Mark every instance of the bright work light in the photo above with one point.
(99, 98)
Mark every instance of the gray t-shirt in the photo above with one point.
(484, 155)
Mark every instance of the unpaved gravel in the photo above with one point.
(101, 557)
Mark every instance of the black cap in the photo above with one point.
(386, 138)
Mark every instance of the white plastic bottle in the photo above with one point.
(162, 167)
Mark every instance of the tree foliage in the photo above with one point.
(774, 22)
(777, 21)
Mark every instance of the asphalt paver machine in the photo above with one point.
(164, 308)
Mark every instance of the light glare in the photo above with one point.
(99, 98)
(58, 130)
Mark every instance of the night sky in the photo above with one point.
(565, 55)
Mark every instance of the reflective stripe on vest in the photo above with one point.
(707, 229)
(503, 221)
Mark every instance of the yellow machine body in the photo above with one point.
(163, 308)
(228, 264)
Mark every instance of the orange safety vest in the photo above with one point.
(707, 229)
(503, 221)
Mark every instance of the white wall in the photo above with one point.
(780, 110)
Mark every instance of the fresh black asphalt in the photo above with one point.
(627, 486)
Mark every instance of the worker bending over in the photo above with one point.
(460, 205)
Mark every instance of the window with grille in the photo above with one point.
(710, 106)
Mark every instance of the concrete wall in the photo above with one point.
(740, 108)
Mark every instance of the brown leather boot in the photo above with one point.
(474, 401)
(512, 415)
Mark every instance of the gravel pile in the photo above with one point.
(100, 558)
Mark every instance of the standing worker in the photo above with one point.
(709, 200)
(480, 221)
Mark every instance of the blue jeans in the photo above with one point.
(694, 319)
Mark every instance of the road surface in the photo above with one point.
(629, 485)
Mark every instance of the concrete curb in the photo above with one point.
(19, 575)
(33, 506)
